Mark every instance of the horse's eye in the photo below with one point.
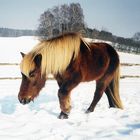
(32, 73)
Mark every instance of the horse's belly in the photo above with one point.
(92, 75)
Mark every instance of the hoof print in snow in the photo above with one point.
(63, 116)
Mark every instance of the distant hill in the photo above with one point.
(120, 43)
(7, 32)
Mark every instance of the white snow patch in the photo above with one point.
(38, 120)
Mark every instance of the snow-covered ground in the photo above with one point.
(38, 120)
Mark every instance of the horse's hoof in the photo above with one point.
(63, 116)
(88, 111)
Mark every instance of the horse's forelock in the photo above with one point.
(57, 53)
(27, 64)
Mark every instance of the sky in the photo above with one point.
(121, 17)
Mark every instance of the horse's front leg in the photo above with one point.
(65, 103)
(64, 93)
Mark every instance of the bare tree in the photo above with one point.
(65, 17)
(61, 19)
(136, 36)
(56, 25)
(46, 21)
(76, 17)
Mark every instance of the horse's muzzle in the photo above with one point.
(25, 100)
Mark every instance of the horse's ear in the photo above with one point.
(22, 54)
(37, 60)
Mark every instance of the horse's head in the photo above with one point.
(32, 80)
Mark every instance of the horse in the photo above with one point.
(71, 60)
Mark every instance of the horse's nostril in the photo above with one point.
(22, 101)
(25, 101)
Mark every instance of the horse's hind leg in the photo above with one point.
(100, 87)
(108, 92)
(112, 92)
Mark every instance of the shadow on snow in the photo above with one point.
(8, 104)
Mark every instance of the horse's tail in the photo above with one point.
(114, 87)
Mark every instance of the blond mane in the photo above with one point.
(56, 54)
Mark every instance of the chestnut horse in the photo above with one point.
(71, 59)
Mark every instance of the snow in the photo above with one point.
(38, 120)
(129, 58)
(11, 48)
(9, 71)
